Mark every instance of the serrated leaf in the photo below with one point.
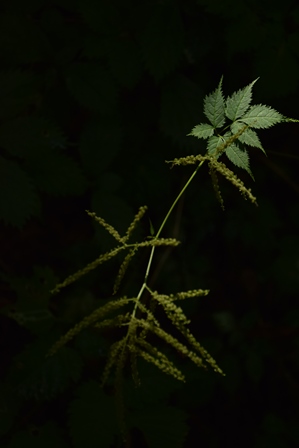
(248, 137)
(261, 117)
(213, 143)
(162, 40)
(18, 198)
(92, 419)
(216, 142)
(214, 107)
(238, 103)
(204, 130)
(163, 426)
(238, 157)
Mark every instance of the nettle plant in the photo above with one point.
(231, 130)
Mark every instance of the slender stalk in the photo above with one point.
(167, 216)
(159, 232)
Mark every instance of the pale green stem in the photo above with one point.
(158, 234)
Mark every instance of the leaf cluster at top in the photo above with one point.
(233, 138)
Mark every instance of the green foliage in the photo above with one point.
(143, 319)
(243, 118)
(93, 94)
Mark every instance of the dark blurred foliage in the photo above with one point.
(94, 96)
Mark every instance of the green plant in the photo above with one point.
(231, 131)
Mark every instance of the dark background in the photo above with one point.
(95, 95)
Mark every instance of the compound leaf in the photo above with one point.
(238, 103)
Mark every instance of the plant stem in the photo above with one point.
(160, 230)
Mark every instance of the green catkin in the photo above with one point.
(123, 269)
(99, 313)
(232, 178)
(231, 139)
(189, 294)
(93, 265)
(106, 226)
(113, 359)
(160, 242)
(216, 187)
(141, 212)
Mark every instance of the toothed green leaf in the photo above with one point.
(214, 107)
(248, 137)
(213, 143)
(261, 117)
(204, 130)
(238, 103)
(238, 157)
